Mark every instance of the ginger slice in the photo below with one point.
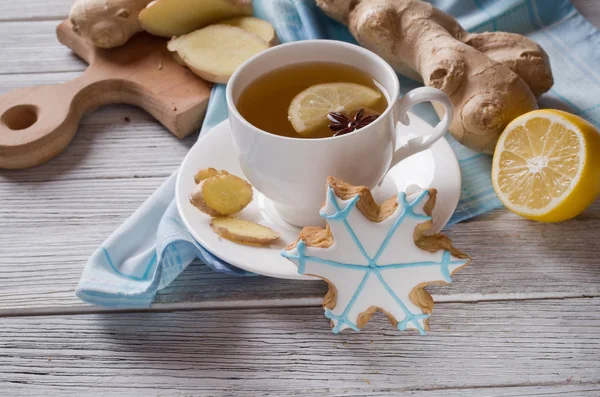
(243, 232)
(222, 195)
(170, 18)
(206, 173)
(259, 27)
(215, 52)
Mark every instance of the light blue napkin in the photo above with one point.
(153, 247)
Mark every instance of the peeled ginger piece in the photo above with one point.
(206, 173)
(170, 18)
(259, 27)
(221, 195)
(243, 232)
(216, 51)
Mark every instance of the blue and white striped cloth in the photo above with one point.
(153, 247)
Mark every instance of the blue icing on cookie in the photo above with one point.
(373, 269)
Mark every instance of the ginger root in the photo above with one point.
(206, 173)
(243, 232)
(491, 78)
(170, 18)
(107, 23)
(216, 51)
(220, 193)
(259, 27)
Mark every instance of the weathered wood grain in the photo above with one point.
(32, 47)
(114, 142)
(128, 74)
(288, 352)
(589, 9)
(513, 258)
(571, 390)
(114, 165)
(522, 347)
(34, 10)
(43, 248)
(9, 82)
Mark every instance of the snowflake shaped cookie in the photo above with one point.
(376, 257)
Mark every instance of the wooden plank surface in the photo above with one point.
(517, 340)
(285, 352)
(113, 165)
(32, 47)
(34, 10)
(589, 9)
(43, 10)
(513, 258)
(116, 142)
(571, 390)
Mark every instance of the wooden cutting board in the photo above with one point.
(37, 123)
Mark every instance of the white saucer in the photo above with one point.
(436, 167)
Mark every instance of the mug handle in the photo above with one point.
(418, 144)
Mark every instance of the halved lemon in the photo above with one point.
(308, 110)
(546, 165)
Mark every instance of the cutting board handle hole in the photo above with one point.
(20, 117)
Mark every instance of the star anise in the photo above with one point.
(342, 124)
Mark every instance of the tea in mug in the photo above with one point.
(312, 100)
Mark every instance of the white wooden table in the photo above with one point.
(523, 319)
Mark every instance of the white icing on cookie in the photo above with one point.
(375, 263)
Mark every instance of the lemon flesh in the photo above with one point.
(546, 165)
(308, 110)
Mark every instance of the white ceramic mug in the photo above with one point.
(291, 172)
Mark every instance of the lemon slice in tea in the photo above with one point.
(546, 165)
(308, 110)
